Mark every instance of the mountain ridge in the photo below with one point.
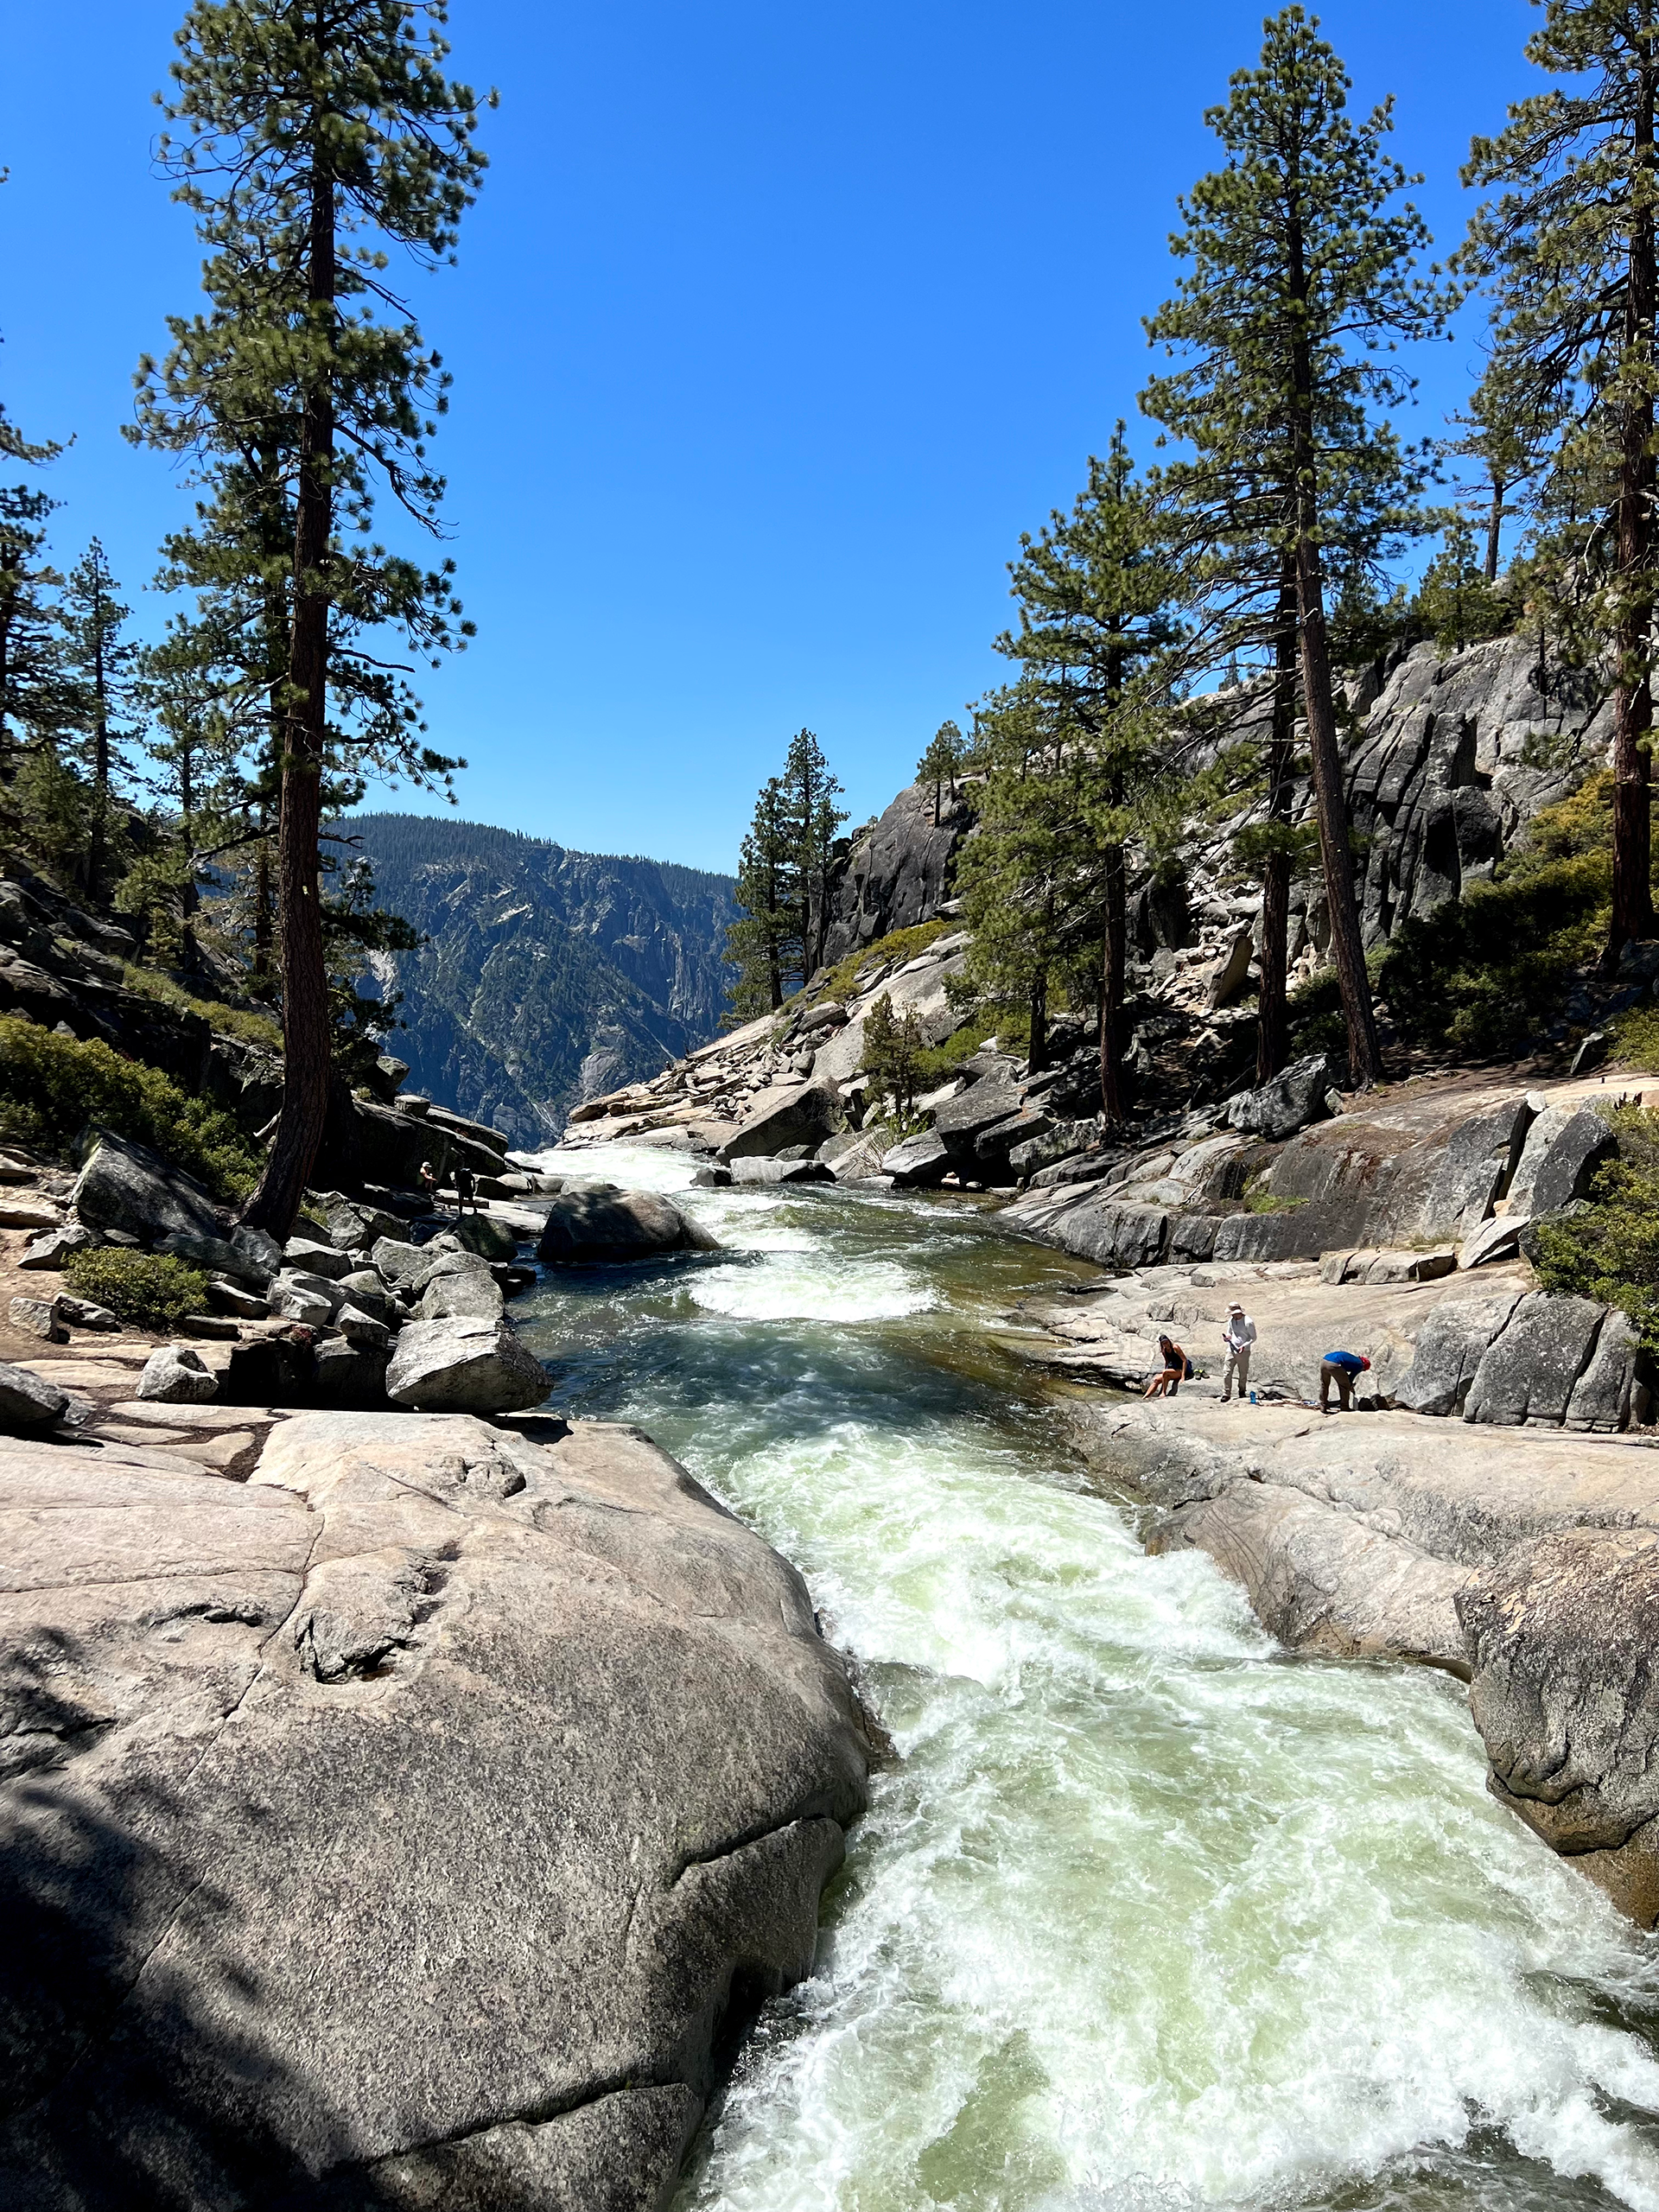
(547, 974)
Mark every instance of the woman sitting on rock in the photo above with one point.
(1165, 1383)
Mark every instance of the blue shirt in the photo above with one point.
(1351, 1360)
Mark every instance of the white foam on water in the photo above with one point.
(811, 1288)
(1148, 1914)
(633, 1166)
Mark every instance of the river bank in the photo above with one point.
(1148, 1911)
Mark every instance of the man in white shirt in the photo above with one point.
(1238, 1337)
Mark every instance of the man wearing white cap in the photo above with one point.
(1238, 1337)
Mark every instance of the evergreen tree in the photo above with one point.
(1030, 880)
(1503, 446)
(809, 792)
(34, 697)
(892, 1055)
(1096, 591)
(103, 667)
(1301, 282)
(315, 142)
(765, 944)
(1569, 245)
(1455, 600)
(941, 763)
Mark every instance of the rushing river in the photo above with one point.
(1147, 1915)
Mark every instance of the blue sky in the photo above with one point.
(774, 326)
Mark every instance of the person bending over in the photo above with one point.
(1340, 1368)
(1172, 1374)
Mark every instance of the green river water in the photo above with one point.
(1147, 1915)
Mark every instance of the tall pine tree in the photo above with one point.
(1301, 280)
(1096, 590)
(316, 140)
(809, 792)
(103, 666)
(763, 944)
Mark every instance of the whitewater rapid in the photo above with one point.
(1147, 1915)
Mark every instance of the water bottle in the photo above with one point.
(1252, 1397)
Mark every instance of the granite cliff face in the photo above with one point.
(549, 975)
(897, 871)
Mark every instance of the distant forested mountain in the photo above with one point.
(549, 975)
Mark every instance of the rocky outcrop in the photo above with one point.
(1419, 1165)
(1456, 756)
(898, 871)
(417, 1823)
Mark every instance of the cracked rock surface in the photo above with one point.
(416, 1823)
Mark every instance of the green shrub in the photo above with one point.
(259, 1029)
(1486, 974)
(51, 1087)
(1635, 1035)
(146, 1289)
(1611, 1251)
(901, 947)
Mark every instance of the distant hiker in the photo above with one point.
(1238, 1337)
(1175, 1369)
(466, 1190)
(1340, 1368)
(426, 1181)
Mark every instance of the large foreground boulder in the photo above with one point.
(467, 1363)
(129, 1187)
(415, 1825)
(598, 1221)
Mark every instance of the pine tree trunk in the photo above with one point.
(1633, 693)
(1037, 1053)
(1114, 960)
(1365, 1057)
(264, 936)
(1495, 528)
(1273, 1024)
(1318, 700)
(307, 1040)
(97, 845)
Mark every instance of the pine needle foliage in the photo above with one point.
(1568, 246)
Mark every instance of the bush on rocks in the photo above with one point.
(145, 1289)
(51, 1087)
